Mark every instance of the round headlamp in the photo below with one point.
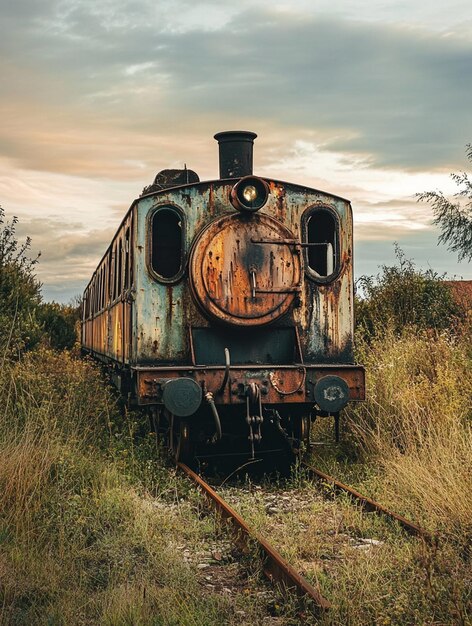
(249, 194)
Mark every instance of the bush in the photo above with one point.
(20, 292)
(24, 319)
(401, 296)
(59, 323)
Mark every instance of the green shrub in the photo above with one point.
(20, 292)
(401, 296)
(59, 324)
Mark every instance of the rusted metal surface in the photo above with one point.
(240, 281)
(322, 313)
(275, 566)
(369, 504)
(279, 385)
(127, 330)
(107, 314)
(99, 331)
(171, 178)
(116, 314)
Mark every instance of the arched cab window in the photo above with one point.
(321, 239)
(167, 244)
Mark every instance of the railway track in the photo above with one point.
(275, 567)
(369, 504)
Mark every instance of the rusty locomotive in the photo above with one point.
(226, 307)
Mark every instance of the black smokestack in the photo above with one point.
(235, 153)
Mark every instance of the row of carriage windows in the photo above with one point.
(110, 281)
(320, 238)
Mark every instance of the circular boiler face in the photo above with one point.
(245, 271)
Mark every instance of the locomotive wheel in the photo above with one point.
(181, 443)
(301, 429)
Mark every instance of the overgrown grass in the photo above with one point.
(416, 425)
(91, 525)
(410, 446)
(92, 522)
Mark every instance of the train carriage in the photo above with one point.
(226, 306)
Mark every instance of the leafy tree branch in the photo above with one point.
(454, 216)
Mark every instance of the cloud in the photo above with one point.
(90, 85)
(69, 253)
(395, 95)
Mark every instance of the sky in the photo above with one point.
(367, 100)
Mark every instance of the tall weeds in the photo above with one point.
(81, 540)
(416, 424)
(50, 403)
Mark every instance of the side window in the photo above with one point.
(99, 298)
(110, 278)
(321, 234)
(119, 275)
(114, 273)
(127, 282)
(104, 277)
(167, 243)
(131, 257)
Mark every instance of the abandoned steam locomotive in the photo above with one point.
(226, 306)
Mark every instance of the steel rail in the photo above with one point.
(275, 567)
(371, 505)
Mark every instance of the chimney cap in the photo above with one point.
(235, 135)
